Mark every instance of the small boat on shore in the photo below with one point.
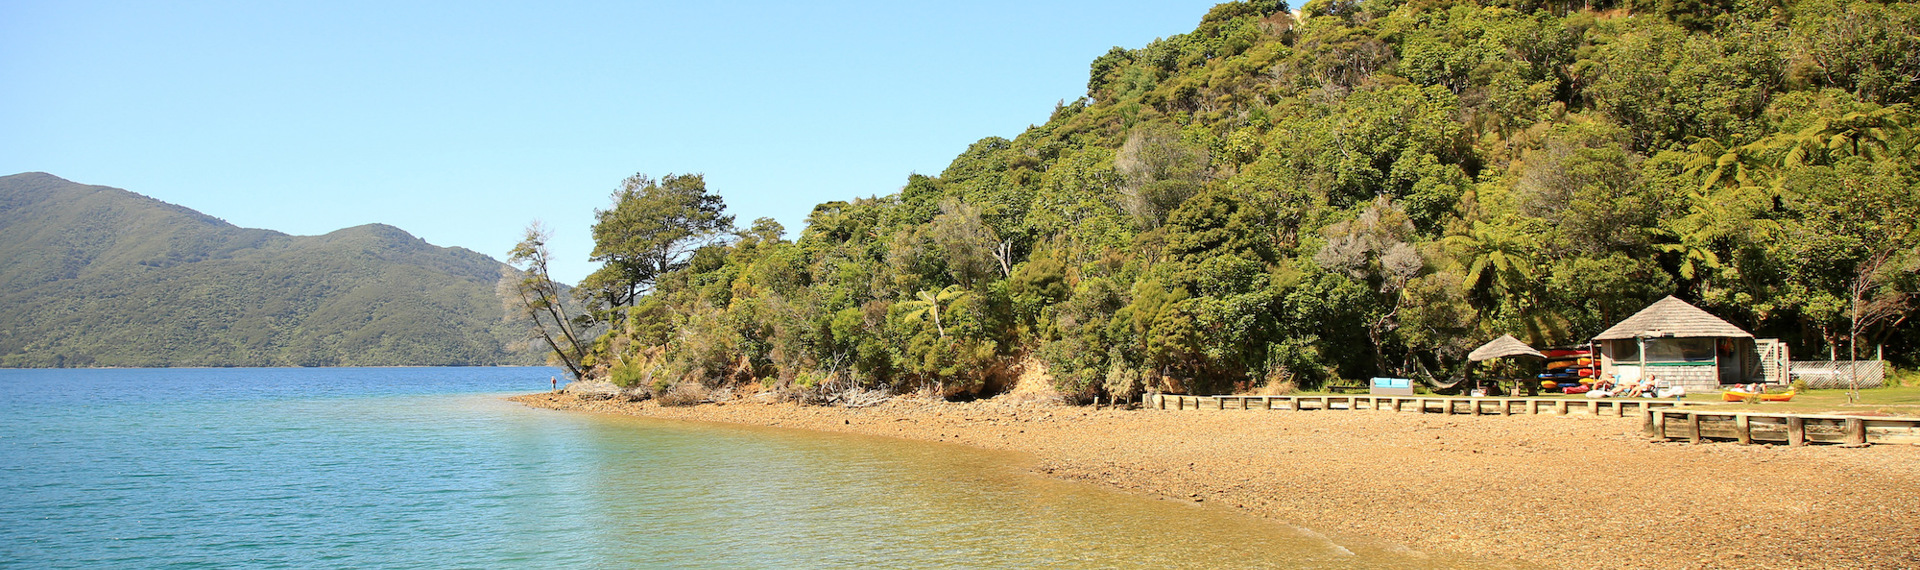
(1737, 396)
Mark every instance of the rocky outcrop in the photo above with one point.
(595, 390)
(604, 390)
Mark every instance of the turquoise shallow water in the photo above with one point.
(428, 467)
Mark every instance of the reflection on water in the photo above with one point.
(400, 478)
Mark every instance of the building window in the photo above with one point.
(1665, 350)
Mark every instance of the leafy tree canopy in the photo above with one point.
(1359, 188)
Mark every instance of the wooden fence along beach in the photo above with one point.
(1661, 418)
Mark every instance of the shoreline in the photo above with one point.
(1553, 491)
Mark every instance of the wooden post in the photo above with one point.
(1219, 403)
(1593, 408)
(1743, 428)
(1796, 431)
(1693, 427)
(1660, 424)
(1646, 425)
(1446, 406)
(1856, 431)
(1619, 409)
(1475, 405)
(1560, 407)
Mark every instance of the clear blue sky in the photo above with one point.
(462, 122)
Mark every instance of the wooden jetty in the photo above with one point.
(1662, 418)
(1617, 407)
(1697, 425)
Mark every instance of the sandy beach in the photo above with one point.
(1547, 491)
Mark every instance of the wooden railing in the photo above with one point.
(1697, 425)
(1617, 407)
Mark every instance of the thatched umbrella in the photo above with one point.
(1503, 347)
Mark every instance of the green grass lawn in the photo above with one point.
(1899, 401)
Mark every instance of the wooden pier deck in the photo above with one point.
(1662, 418)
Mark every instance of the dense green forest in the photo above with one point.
(97, 276)
(1349, 190)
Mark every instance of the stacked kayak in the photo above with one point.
(1568, 367)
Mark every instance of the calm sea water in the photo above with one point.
(428, 467)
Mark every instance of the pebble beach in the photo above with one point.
(1530, 491)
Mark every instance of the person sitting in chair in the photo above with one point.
(1641, 388)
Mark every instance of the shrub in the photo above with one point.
(628, 375)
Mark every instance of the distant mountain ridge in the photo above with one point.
(99, 276)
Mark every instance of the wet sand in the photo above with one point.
(1565, 492)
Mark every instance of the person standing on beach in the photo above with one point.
(556, 383)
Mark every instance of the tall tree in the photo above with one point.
(1883, 291)
(928, 304)
(653, 228)
(532, 294)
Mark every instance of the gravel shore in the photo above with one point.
(1568, 492)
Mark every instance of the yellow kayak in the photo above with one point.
(1732, 396)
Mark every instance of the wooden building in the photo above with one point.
(1678, 344)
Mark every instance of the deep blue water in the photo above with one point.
(428, 467)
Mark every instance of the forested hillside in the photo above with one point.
(1353, 189)
(97, 276)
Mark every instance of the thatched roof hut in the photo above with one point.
(1673, 318)
(1677, 344)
